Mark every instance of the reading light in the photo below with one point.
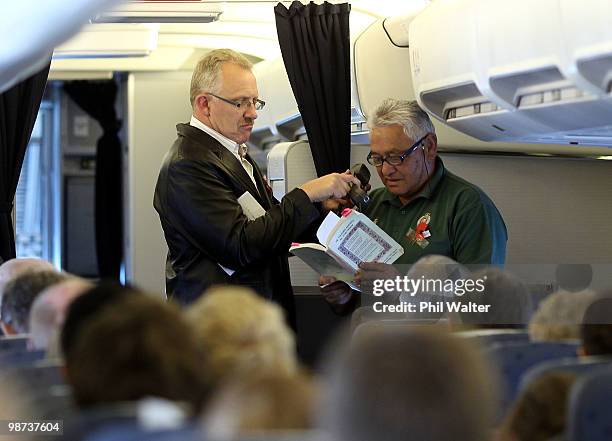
(471, 110)
(552, 96)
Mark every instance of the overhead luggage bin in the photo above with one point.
(500, 70)
(381, 64)
(588, 36)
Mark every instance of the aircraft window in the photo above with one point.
(32, 198)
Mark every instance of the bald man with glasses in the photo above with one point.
(424, 207)
(208, 181)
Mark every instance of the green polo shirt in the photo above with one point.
(450, 216)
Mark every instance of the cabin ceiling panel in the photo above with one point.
(260, 48)
(162, 59)
(247, 26)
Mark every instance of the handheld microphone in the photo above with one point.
(357, 194)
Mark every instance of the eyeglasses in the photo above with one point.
(244, 103)
(378, 161)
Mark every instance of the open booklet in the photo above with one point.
(345, 243)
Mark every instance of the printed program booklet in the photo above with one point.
(345, 243)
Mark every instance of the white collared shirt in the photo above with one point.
(227, 143)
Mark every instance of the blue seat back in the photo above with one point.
(134, 432)
(13, 343)
(590, 408)
(578, 366)
(514, 359)
(489, 337)
(372, 326)
(20, 358)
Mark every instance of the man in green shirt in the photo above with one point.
(423, 206)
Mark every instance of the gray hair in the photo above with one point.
(433, 268)
(405, 113)
(13, 268)
(206, 75)
(48, 312)
(20, 293)
(509, 299)
(384, 385)
(559, 316)
(241, 333)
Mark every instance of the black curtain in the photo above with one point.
(97, 99)
(18, 110)
(315, 44)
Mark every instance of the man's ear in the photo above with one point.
(201, 105)
(431, 146)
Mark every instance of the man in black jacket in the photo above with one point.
(207, 170)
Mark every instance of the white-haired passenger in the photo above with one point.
(19, 295)
(405, 384)
(506, 300)
(49, 311)
(560, 315)
(242, 334)
(437, 279)
(12, 268)
(264, 402)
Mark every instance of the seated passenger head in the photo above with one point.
(14, 267)
(19, 294)
(540, 411)
(139, 346)
(438, 268)
(596, 328)
(400, 383)
(559, 316)
(264, 402)
(49, 312)
(573, 276)
(85, 307)
(241, 333)
(440, 276)
(508, 297)
(403, 146)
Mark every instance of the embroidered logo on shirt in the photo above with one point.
(421, 233)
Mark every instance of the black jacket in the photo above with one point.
(196, 198)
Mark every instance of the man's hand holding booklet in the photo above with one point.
(345, 243)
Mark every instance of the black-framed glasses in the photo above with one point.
(243, 103)
(378, 161)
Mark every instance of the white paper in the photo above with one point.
(250, 207)
(327, 226)
(252, 210)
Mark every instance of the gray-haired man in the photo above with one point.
(423, 206)
(210, 239)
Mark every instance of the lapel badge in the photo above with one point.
(421, 233)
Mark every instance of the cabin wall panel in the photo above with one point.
(157, 101)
